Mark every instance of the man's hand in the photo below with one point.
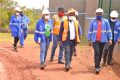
(110, 42)
(21, 30)
(118, 41)
(38, 41)
(89, 43)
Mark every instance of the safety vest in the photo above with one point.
(65, 31)
(57, 22)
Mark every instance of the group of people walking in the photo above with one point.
(65, 30)
(19, 27)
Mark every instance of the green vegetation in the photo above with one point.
(6, 37)
(7, 9)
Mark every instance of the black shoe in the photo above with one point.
(110, 63)
(22, 46)
(42, 66)
(45, 64)
(67, 68)
(97, 70)
(60, 62)
(103, 64)
(51, 59)
(15, 49)
(70, 67)
(75, 54)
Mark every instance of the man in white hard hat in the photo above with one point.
(99, 33)
(43, 35)
(115, 27)
(15, 26)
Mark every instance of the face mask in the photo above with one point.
(99, 17)
(61, 14)
(21, 14)
(17, 14)
(71, 18)
(113, 20)
(47, 17)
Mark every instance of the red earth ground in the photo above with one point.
(24, 65)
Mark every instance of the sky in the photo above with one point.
(37, 4)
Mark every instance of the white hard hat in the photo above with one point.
(99, 10)
(114, 14)
(76, 13)
(20, 9)
(17, 9)
(45, 11)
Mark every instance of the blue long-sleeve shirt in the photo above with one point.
(15, 25)
(40, 30)
(106, 31)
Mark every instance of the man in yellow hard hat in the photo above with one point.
(69, 36)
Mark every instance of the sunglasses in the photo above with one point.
(99, 14)
(113, 18)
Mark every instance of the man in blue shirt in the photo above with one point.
(115, 27)
(98, 34)
(25, 23)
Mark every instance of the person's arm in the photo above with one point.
(61, 31)
(119, 33)
(90, 33)
(80, 30)
(109, 32)
(11, 22)
(90, 30)
(37, 39)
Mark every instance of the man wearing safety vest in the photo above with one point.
(115, 27)
(16, 27)
(57, 19)
(70, 36)
(43, 35)
(99, 33)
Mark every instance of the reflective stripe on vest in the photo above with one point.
(57, 23)
(65, 31)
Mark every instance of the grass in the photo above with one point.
(6, 37)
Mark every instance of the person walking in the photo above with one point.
(15, 26)
(57, 19)
(70, 36)
(98, 34)
(115, 27)
(43, 35)
(26, 22)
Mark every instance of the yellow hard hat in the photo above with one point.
(71, 10)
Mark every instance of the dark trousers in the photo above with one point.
(16, 39)
(108, 52)
(69, 49)
(98, 51)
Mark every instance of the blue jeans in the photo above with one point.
(23, 37)
(55, 43)
(69, 49)
(44, 45)
(98, 50)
